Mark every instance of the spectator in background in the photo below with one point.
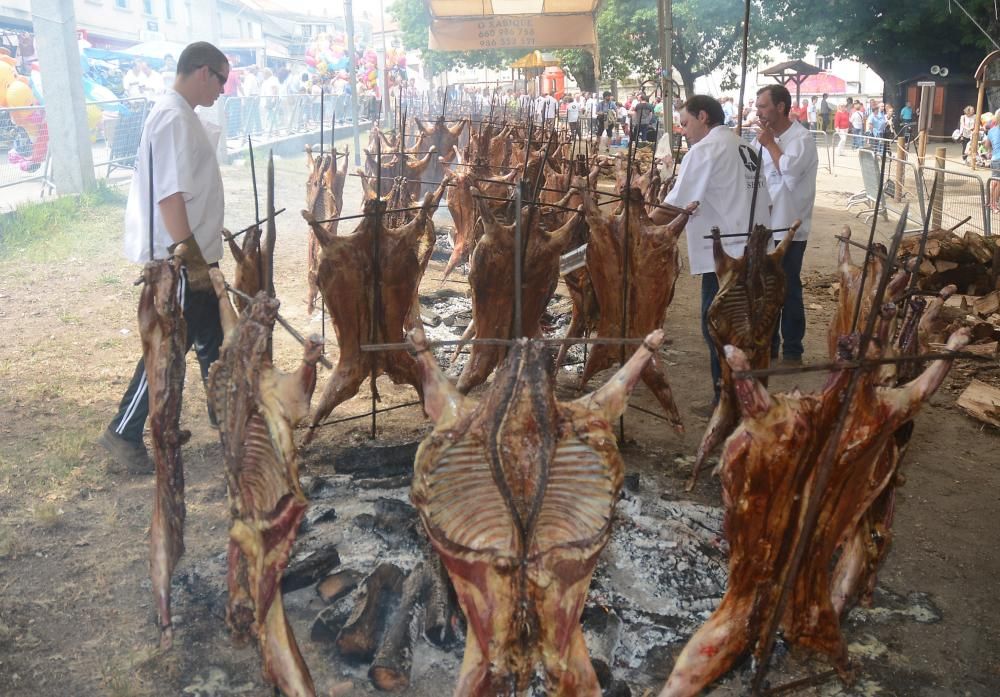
(573, 117)
(992, 143)
(966, 125)
(824, 119)
(251, 101)
(857, 128)
(642, 118)
(841, 126)
(811, 113)
(132, 81)
(729, 111)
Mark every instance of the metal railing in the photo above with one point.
(956, 196)
(290, 114)
(115, 128)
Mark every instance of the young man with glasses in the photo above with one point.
(188, 207)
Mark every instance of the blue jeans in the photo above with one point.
(709, 289)
(791, 327)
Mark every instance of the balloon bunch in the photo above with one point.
(15, 91)
(395, 65)
(368, 71)
(327, 54)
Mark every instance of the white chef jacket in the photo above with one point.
(551, 107)
(591, 107)
(718, 172)
(793, 191)
(184, 161)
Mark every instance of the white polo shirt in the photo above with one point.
(793, 190)
(183, 161)
(718, 172)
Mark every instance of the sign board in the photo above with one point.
(513, 31)
(926, 83)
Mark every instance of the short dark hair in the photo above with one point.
(710, 105)
(778, 94)
(199, 54)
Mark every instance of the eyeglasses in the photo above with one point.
(219, 76)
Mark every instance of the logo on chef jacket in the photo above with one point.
(751, 163)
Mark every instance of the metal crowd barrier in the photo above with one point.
(115, 128)
(24, 145)
(286, 115)
(956, 196)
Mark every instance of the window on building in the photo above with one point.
(169, 9)
(824, 62)
(306, 31)
(121, 4)
(147, 6)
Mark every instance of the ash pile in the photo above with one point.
(388, 613)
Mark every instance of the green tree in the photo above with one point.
(897, 39)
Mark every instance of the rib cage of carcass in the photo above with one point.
(443, 138)
(768, 470)
(516, 492)
(258, 409)
(744, 314)
(360, 312)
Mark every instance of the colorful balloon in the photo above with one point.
(19, 94)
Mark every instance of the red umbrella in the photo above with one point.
(823, 83)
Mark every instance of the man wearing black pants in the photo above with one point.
(187, 189)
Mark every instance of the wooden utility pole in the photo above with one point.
(353, 71)
(665, 15)
(924, 121)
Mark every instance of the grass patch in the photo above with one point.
(52, 231)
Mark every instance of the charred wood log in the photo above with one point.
(307, 571)
(390, 670)
(338, 584)
(359, 638)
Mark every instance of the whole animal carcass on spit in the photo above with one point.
(444, 138)
(653, 267)
(258, 409)
(360, 313)
(744, 314)
(491, 280)
(255, 259)
(324, 201)
(164, 332)
(517, 493)
(768, 472)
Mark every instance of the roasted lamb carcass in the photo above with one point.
(164, 333)
(653, 268)
(744, 314)
(517, 492)
(258, 409)
(324, 200)
(444, 138)
(347, 273)
(491, 280)
(768, 473)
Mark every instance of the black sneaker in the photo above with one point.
(127, 456)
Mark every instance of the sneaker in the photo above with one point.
(128, 457)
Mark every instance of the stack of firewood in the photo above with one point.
(972, 263)
(969, 261)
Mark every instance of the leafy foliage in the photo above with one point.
(897, 39)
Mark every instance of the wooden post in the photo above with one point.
(937, 209)
(897, 194)
(924, 121)
(974, 147)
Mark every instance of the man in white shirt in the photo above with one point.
(551, 105)
(590, 112)
(718, 172)
(539, 108)
(573, 117)
(250, 91)
(790, 166)
(132, 80)
(525, 105)
(187, 189)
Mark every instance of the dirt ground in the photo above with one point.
(76, 616)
